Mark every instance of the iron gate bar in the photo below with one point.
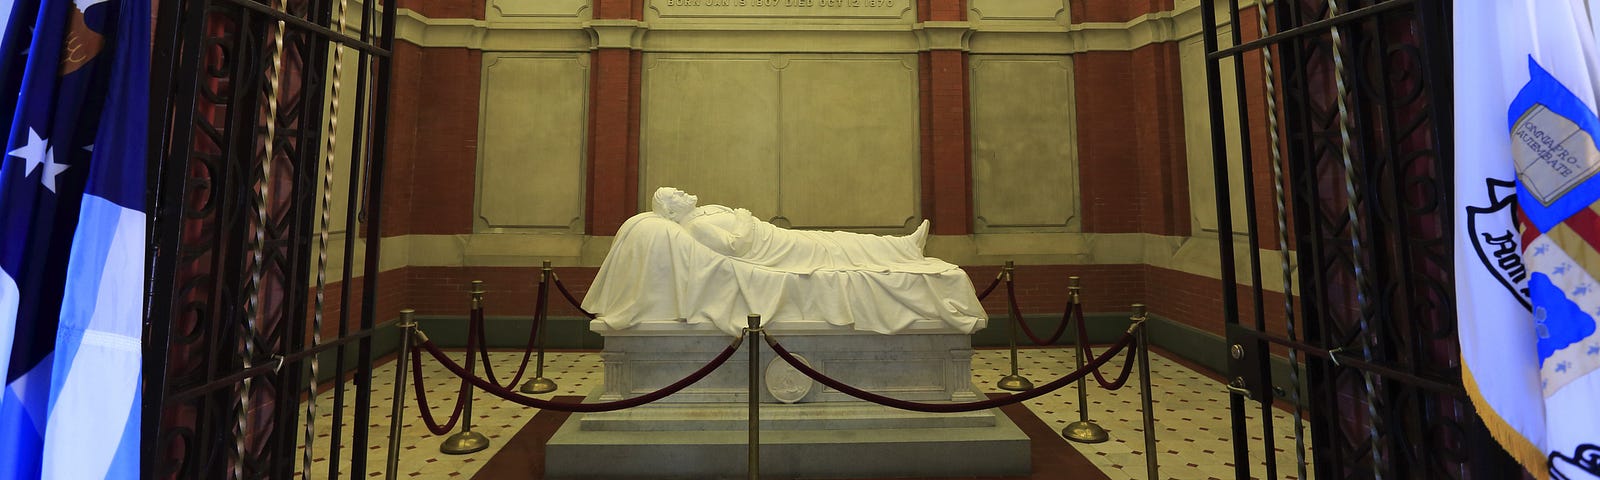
(1307, 232)
(369, 293)
(169, 177)
(1309, 28)
(189, 71)
(1402, 261)
(1252, 241)
(299, 356)
(304, 24)
(1357, 363)
(313, 50)
(1389, 156)
(1219, 163)
(229, 240)
(358, 157)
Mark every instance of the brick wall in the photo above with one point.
(1125, 185)
(613, 173)
(947, 152)
(392, 296)
(446, 161)
(446, 8)
(432, 154)
(406, 93)
(1109, 185)
(1161, 157)
(941, 10)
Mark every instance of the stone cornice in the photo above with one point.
(989, 36)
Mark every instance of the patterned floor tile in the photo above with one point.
(1193, 425)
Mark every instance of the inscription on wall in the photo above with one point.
(782, 8)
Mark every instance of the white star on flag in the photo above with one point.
(36, 153)
(33, 153)
(51, 169)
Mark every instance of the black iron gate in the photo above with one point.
(238, 87)
(1356, 111)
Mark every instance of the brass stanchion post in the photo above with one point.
(1146, 396)
(1084, 430)
(408, 326)
(540, 384)
(1014, 382)
(753, 332)
(467, 441)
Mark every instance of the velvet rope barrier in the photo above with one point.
(1083, 340)
(519, 399)
(570, 299)
(1016, 316)
(1127, 339)
(422, 392)
(527, 352)
(990, 288)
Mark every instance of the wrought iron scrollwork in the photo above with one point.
(211, 91)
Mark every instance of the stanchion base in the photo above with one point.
(538, 385)
(1015, 383)
(462, 443)
(1084, 431)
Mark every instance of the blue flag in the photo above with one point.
(74, 78)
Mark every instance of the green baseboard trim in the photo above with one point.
(1102, 328)
(512, 332)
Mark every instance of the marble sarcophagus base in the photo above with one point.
(807, 430)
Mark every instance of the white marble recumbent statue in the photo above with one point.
(699, 264)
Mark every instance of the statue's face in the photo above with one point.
(673, 203)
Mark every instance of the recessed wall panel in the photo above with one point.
(850, 142)
(710, 127)
(1024, 153)
(539, 8)
(1197, 136)
(531, 164)
(1018, 9)
(345, 145)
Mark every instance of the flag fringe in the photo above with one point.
(1523, 450)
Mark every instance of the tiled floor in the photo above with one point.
(1192, 419)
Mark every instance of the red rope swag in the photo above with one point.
(519, 399)
(990, 288)
(527, 352)
(1083, 342)
(1094, 363)
(571, 299)
(1016, 316)
(461, 395)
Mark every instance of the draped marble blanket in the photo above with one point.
(657, 271)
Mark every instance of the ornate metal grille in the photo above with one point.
(210, 92)
(1376, 304)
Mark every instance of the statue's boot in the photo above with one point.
(920, 237)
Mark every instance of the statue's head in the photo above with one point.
(674, 204)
